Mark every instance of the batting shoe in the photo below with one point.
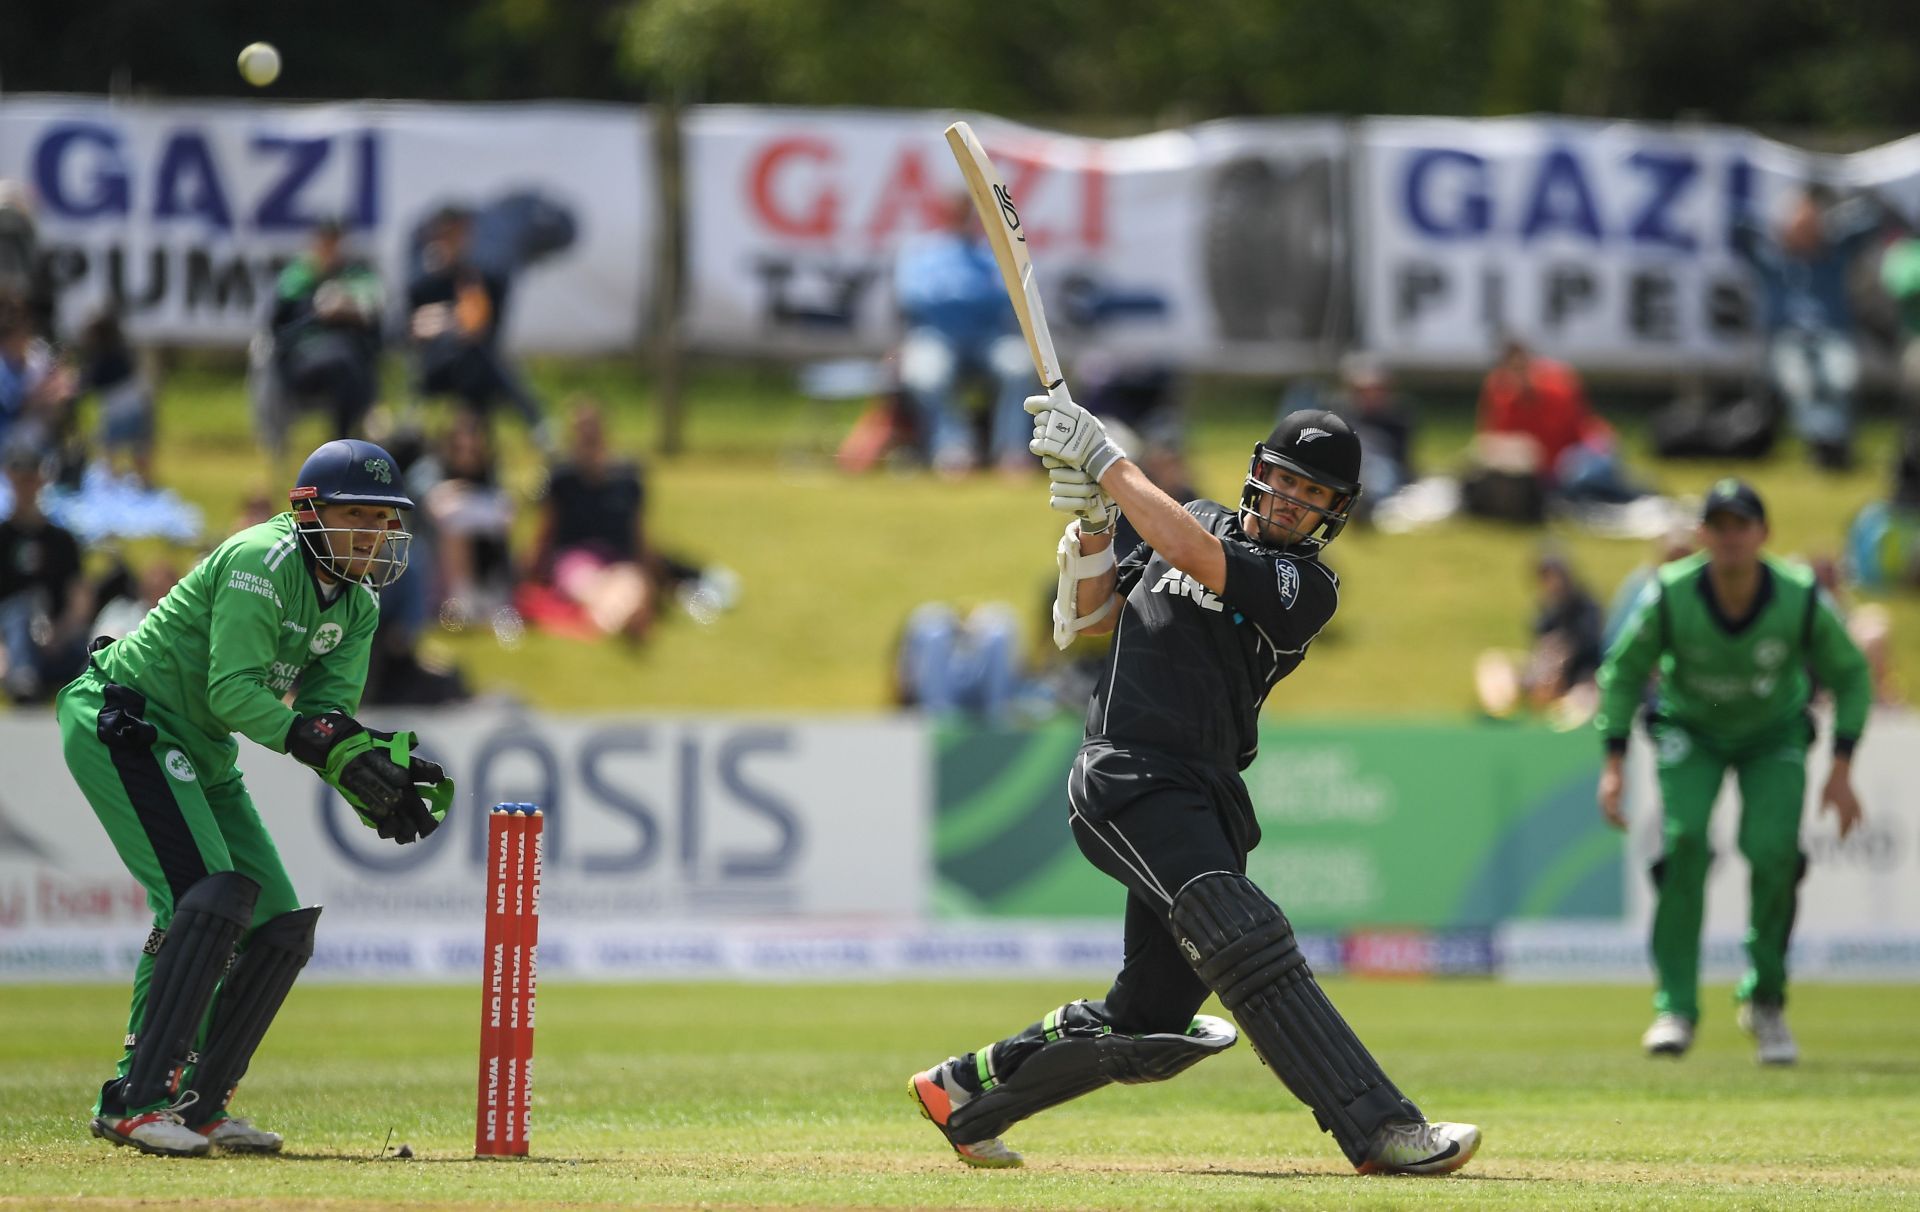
(1773, 1043)
(237, 1135)
(160, 1131)
(938, 1095)
(1670, 1035)
(1415, 1146)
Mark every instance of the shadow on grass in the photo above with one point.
(1457, 1176)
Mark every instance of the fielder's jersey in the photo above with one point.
(1189, 669)
(239, 631)
(1731, 680)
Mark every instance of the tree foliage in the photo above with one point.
(1120, 63)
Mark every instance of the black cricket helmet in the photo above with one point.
(1315, 445)
(348, 471)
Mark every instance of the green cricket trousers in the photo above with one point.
(172, 819)
(1771, 771)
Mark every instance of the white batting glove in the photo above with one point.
(1067, 433)
(1073, 491)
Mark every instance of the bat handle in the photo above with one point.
(1057, 394)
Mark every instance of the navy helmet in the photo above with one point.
(1318, 446)
(348, 471)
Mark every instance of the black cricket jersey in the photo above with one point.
(1189, 669)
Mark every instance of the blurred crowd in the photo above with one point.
(571, 553)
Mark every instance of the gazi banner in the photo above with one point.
(1220, 246)
(1608, 244)
(181, 214)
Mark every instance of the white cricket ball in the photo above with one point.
(260, 64)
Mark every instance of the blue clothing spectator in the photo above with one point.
(959, 322)
(1809, 322)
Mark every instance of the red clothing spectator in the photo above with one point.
(1544, 400)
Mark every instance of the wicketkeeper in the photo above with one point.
(1207, 615)
(1734, 635)
(288, 606)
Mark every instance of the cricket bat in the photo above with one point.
(1009, 240)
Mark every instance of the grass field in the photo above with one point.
(831, 564)
(725, 1096)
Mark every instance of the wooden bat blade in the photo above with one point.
(1009, 243)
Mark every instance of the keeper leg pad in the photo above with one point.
(208, 920)
(1079, 1053)
(1243, 948)
(262, 975)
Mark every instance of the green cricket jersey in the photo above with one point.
(244, 627)
(1733, 683)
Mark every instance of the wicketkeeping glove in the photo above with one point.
(1067, 433)
(1073, 491)
(402, 797)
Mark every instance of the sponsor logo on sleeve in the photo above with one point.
(1288, 574)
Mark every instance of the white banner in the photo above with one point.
(650, 822)
(184, 212)
(1219, 246)
(1606, 244)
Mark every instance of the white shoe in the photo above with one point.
(938, 1096)
(1670, 1035)
(161, 1132)
(1774, 1044)
(240, 1136)
(1421, 1147)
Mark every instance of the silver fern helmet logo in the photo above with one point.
(1309, 434)
(380, 470)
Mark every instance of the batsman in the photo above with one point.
(1208, 614)
(283, 609)
(1736, 638)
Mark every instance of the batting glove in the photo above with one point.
(1067, 433)
(1073, 491)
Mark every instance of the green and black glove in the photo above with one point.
(403, 797)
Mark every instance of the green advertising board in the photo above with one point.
(1430, 826)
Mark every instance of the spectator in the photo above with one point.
(1900, 278)
(35, 389)
(592, 547)
(959, 323)
(1869, 625)
(124, 609)
(1883, 538)
(109, 368)
(1803, 269)
(1383, 422)
(1555, 677)
(44, 603)
(1535, 424)
(1677, 543)
(948, 663)
(455, 310)
(24, 274)
(472, 515)
(326, 333)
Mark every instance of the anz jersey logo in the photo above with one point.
(1179, 584)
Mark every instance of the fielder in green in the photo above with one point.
(283, 609)
(1737, 638)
